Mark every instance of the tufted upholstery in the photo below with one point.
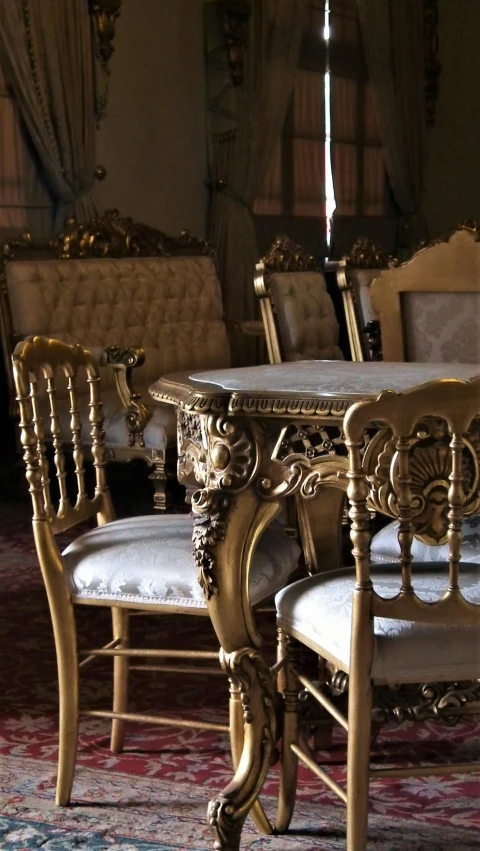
(403, 651)
(307, 324)
(148, 561)
(170, 306)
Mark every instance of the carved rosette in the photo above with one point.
(429, 468)
(232, 454)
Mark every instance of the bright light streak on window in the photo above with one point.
(330, 203)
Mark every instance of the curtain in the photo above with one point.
(245, 122)
(25, 203)
(393, 36)
(47, 52)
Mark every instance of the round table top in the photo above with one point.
(307, 387)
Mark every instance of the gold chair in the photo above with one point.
(429, 311)
(297, 311)
(429, 306)
(391, 623)
(355, 274)
(143, 564)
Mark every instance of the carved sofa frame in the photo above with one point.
(115, 238)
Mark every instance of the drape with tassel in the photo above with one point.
(393, 37)
(245, 122)
(47, 51)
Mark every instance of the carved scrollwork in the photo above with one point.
(137, 415)
(235, 26)
(365, 254)
(113, 235)
(286, 256)
(105, 13)
(412, 702)
(430, 466)
(423, 702)
(212, 511)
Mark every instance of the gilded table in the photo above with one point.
(247, 439)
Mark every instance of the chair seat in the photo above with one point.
(384, 547)
(317, 610)
(148, 561)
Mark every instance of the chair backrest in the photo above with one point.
(355, 274)
(429, 307)
(113, 282)
(451, 402)
(37, 360)
(297, 311)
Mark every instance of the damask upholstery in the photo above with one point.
(384, 546)
(148, 561)
(307, 324)
(403, 651)
(429, 306)
(442, 327)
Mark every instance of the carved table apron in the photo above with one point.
(247, 439)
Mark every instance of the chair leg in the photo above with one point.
(120, 624)
(358, 756)
(67, 663)
(159, 478)
(288, 684)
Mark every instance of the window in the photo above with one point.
(329, 159)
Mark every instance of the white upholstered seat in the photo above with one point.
(384, 547)
(318, 611)
(149, 561)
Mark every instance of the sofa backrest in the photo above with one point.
(169, 305)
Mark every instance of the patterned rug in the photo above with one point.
(153, 796)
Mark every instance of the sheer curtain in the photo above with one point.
(47, 52)
(245, 122)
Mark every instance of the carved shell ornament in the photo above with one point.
(429, 470)
(233, 456)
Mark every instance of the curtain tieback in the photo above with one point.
(223, 187)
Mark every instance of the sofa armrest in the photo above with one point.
(137, 414)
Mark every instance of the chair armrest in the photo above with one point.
(123, 361)
(251, 327)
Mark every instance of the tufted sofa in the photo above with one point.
(140, 300)
(297, 311)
